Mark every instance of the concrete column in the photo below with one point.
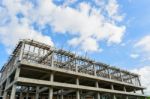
(130, 79)
(124, 88)
(127, 97)
(68, 97)
(1, 89)
(142, 91)
(17, 73)
(20, 96)
(5, 91)
(98, 94)
(76, 66)
(57, 94)
(27, 95)
(5, 94)
(121, 76)
(62, 96)
(82, 97)
(52, 77)
(52, 59)
(77, 94)
(13, 92)
(114, 96)
(77, 81)
(134, 91)
(21, 51)
(139, 81)
(94, 70)
(109, 74)
(50, 95)
(112, 86)
(37, 93)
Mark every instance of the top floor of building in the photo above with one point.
(35, 52)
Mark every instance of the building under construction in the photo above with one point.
(39, 71)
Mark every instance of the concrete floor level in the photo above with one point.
(39, 71)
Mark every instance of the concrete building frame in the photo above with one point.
(38, 71)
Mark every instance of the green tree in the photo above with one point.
(148, 98)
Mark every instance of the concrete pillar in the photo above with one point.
(94, 67)
(52, 59)
(124, 88)
(109, 75)
(17, 73)
(127, 97)
(76, 66)
(58, 94)
(52, 77)
(62, 96)
(142, 91)
(68, 97)
(77, 94)
(13, 92)
(130, 79)
(134, 91)
(114, 96)
(1, 90)
(20, 96)
(27, 95)
(82, 97)
(121, 76)
(98, 94)
(21, 52)
(50, 95)
(5, 94)
(139, 81)
(77, 80)
(5, 91)
(96, 84)
(112, 86)
(37, 93)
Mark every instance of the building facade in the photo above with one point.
(39, 71)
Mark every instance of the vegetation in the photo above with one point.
(148, 98)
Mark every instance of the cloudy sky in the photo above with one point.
(115, 32)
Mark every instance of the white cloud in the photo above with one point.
(144, 44)
(85, 45)
(143, 48)
(145, 77)
(134, 56)
(14, 29)
(86, 24)
(112, 9)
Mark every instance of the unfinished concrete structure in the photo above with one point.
(38, 71)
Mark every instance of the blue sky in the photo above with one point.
(115, 32)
